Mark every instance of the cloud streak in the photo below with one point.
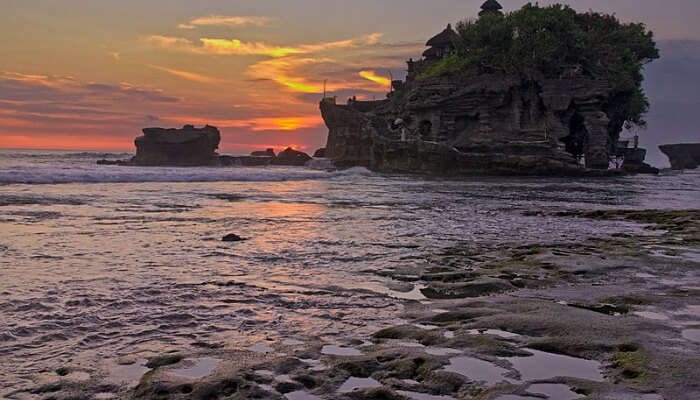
(223, 20)
(237, 47)
(190, 76)
(372, 76)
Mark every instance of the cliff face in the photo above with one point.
(486, 124)
(682, 156)
(188, 146)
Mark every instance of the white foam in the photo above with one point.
(88, 173)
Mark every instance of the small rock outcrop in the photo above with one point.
(634, 161)
(682, 156)
(291, 157)
(266, 153)
(188, 146)
(232, 237)
(320, 153)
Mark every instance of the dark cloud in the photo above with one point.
(130, 92)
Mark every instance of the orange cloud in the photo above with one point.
(236, 47)
(222, 20)
(169, 42)
(240, 48)
(283, 72)
(190, 76)
(372, 76)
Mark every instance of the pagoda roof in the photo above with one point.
(443, 38)
(491, 5)
(432, 52)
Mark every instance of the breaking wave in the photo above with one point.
(114, 174)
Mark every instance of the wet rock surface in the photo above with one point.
(573, 327)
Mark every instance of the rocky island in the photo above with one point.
(682, 156)
(186, 147)
(542, 91)
(193, 147)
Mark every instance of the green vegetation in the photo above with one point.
(631, 364)
(556, 41)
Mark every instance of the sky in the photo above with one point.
(89, 75)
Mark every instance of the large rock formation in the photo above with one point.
(485, 124)
(682, 156)
(188, 146)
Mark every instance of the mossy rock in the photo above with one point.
(482, 287)
(163, 360)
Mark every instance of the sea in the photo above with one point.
(98, 263)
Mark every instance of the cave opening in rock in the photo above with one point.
(466, 125)
(425, 129)
(578, 136)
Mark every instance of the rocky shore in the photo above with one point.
(602, 318)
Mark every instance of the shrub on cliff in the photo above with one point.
(555, 41)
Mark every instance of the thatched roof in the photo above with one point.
(432, 52)
(491, 5)
(443, 38)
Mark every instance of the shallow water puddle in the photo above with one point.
(542, 365)
(104, 396)
(651, 315)
(426, 327)
(358, 383)
(494, 332)
(693, 310)
(422, 396)
(300, 395)
(264, 372)
(554, 391)
(691, 334)
(333, 350)
(441, 351)
(316, 365)
(261, 348)
(410, 344)
(477, 370)
(200, 369)
(77, 376)
(128, 374)
(292, 342)
(284, 378)
(414, 294)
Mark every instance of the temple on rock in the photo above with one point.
(487, 123)
(441, 44)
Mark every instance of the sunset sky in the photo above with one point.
(87, 74)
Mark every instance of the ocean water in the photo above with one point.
(103, 262)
